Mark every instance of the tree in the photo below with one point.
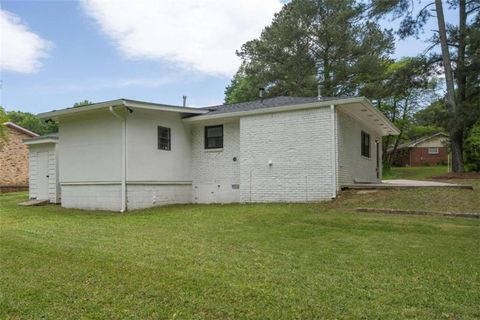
(82, 103)
(472, 148)
(324, 39)
(3, 119)
(409, 83)
(31, 122)
(458, 69)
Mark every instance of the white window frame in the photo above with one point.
(433, 150)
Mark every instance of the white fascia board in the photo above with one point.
(119, 103)
(362, 100)
(70, 111)
(380, 114)
(39, 141)
(238, 114)
(161, 107)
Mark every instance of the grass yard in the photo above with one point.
(263, 261)
(415, 173)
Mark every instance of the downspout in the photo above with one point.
(124, 158)
(333, 155)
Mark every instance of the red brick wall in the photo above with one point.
(14, 159)
(420, 157)
(401, 158)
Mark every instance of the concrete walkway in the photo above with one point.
(403, 183)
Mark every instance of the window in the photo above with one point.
(432, 150)
(214, 137)
(164, 138)
(365, 144)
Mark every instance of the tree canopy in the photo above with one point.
(311, 43)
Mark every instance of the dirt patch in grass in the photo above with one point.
(458, 175)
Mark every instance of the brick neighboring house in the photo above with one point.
(14, 158)
(431, 150)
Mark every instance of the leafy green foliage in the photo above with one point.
(82, 103)
(31, 122)
(459, 58)
(304, 42)
(408, 83)
(472, 148)
(3, 119)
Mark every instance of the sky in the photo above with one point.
(56, 53)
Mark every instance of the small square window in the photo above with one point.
(365, 144)
(164, 138)
(214, 137)
(432, 150)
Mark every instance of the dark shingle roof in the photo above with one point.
(266, 103)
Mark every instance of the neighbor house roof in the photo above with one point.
(414, 143)
(20, 128)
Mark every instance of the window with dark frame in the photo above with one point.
(214, 137)
(365, 144)
(164, 138)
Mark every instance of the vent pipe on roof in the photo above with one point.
(320, 79)
(184, 101)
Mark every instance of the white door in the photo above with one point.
(42, 175)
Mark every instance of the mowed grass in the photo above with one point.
(430, 199)
(415, 173)
(262, 261)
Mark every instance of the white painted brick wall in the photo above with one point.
(214, 172)
(92, 197)
(299, 145)
(145, 196)
(351, 164)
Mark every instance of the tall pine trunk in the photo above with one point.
(456, 130)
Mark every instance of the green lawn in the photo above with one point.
(263, 261)
(415, 173)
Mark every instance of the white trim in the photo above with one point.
(120, 102)
(333, 150)
(318, 104)
(213, 150)
(115, 183)
(159, 182)
(40, 141)
(91, 183)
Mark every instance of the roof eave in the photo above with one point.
(117, 103)
(395, 131)
(302, 106)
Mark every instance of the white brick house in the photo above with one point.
(124, 155)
